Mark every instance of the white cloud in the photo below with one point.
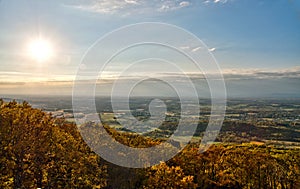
(220, 1)
(131, 2)
(184, 4)
(196, 49)
(106, 6)
(212, 49)
(172, 5)
(215, 1)
(130, 6)
(164, 8)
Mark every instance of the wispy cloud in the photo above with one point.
(220, 1)
(11, 83)
(196, 49)
(131, 2)
(229, 74)
(215, 1)
(132, 6)
(293, 72)
(184, 4)
(242, 74)
(212, 49)
(21, 77)
(172, 5)
(104, 6)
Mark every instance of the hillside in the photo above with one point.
(37, 150)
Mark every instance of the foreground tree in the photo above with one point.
(37, 150)
(163, 176)
(241, 166)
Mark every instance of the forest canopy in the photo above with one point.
(37, 150)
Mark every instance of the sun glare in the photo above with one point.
(41, 50)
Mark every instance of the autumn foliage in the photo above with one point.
(40, 151)
(37, 150)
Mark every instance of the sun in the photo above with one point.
(40, 50)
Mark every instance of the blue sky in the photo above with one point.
(251, 39)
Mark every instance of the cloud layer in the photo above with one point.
(239, 83)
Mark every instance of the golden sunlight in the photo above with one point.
(40, 49)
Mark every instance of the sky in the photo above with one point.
(255, 42)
